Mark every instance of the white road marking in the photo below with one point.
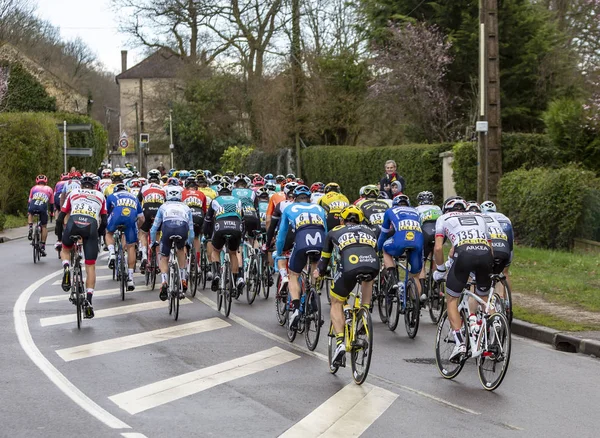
(97, 293)
(140, 339)
(168, 390)
(112, 311)
(55, 376)
(133, 435)
(102, 277)
(349, 412)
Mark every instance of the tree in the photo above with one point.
(23, 92)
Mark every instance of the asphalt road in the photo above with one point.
(135, 372)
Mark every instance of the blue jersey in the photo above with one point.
(124, 204)
(404, 221)
(298, 216)
(227, 207)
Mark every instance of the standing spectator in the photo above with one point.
(161, 168)
(385, 185)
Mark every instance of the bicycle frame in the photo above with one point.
(463, 309)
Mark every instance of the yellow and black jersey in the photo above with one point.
(356, 244)
(333, 202)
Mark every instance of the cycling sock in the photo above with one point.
(66, 263)
(183, 274)
(283, 272)
(339, 338)
(422, 281)
(295, 304)
(30, 225)
(144, 251)
(366, 306)
(90, 293)
(130, 272)
(164, 278)
(216, 268)
(458, 337)
(111, 249)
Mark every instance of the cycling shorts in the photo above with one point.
(87, 228)
(227, 227)
(130, 223)
(333, 220)
(428, 229)
(251, 223)
(309, 239)
(41, 210)
(173, 228)
(198, 217)
(502, 255)
(363, 261)
(467, 259)
(149, 215)
(397, 245)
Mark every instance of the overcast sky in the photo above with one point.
(95, 23)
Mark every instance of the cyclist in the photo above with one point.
(333, 202)
(224, 217)
(40, 199)
(123, 209)
(85, 210)
(428, 213)
(203, 187)
(400, 233)
(373, 208)
(105, 180)
(151, 196)
(269, 178)
(500, 243)
(471, 252)
(262, 194)
(249, 203)
(275, 199)
(196, 201)
(310, 225)
(271, 189)
(280, 181)
(58, 188)
(258, 182)
(317, 192)
(135, 186)
(358, 256)
(116, 178)
(71, 184)
(176, 220)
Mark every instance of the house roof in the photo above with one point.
(163, 63)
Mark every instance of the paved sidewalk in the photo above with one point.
(18, 233)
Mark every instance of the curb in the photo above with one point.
(562, 341)
(4, 239)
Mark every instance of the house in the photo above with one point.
(67, 98)
(145, 91)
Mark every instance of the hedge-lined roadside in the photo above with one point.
(354, 167)
(550, 207)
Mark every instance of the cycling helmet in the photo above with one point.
(164, 178)
(401, 200)
(74, 175)
(300, 181)
(191, 182)
(270, 187)
(230, 174)
(136, 183)
(317, 187)
(183, 175)
(193, 173)
(290, 177)
(171, 172)
(488, 206)
(41, 179)
(88, 181)
(136, 174)
(383, 195)
(425, 198)
(352, 214)
(217, 178)
(262, 192)
(301, 190)
(201, 178)
(269, 176)
(258, 181)
(473, 206)
(128, 174)
(173, 193)
(154, 175)
(371, 191)
(456, 203)
(332, 187)
(105, 173)
(119, 188)
(64, 176)
(172, 181)
(289, 188)
(226, 179)
(116, 176)
(207, 173)
(280, 179)
(224, 188)
(143, 180)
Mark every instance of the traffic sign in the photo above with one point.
(123, 143)
(123, 152)
(79, 152)
(77, 127)
(144, 138)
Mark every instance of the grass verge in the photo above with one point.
(536, 317)
(15, 221)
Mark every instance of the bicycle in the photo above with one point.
(36, 239)
(120, 266)
(78, 295)
(332, 269)
(435, 293)
(379, 295)
(358, 337)
(490, 345)
(402, 297)
(309, 321)
(264, 269)
(151, 265)
(226, 284)
(281, 298)
(175, 286)
(506, 303)
(192, 268)
(251, 271)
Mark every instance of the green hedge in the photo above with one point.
(353, 167)
(464, 169)
(550, 207)
(29, 145)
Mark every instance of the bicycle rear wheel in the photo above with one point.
(362, 347)
(252, 281)
(122, 272)
(331, 346)
(79, 298)
(229, 290)
(312, 319)
(496, 343)
(153, 272)
(36, 245)
(266, 277)
(444, 344)
(281, 304)
(412, 312)
(436, 298)
(174, 291)
(205, 267)
(392, 302)
(507, 301)
(193, 277)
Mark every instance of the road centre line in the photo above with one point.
(349, 412)
(174, 388)
(112, 311)
(140, 339)
(204, 299)
(55, 376)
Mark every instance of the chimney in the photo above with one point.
(123, 60)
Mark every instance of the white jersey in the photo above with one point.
(71, 185)
(463, 228)
(85, 202)
(314, 198)
(174, 211)
(499, 217)
(104, 183)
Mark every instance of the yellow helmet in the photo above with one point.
(332, 187)
(117, 176)
(352, 211)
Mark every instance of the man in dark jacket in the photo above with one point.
(390, 177)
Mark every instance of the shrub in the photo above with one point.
(353, 167)
(565, 121)
(2, 220)
(464, 169)
(25, 93)
(96, 139)
(550, 207)
(234, 158)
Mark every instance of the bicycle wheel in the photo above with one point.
(193, 277)
(174, 292)
(444, 344)
(122, 272)
(379, 295)
(267, 277)
(331, 345)
(252, 281)
(205, 266)
(412, 312)
(496, 343)
(153, 272)
(281, 304)
(312, 319)
(436, 298)
(229, 290)
(79, 298)
(362, 347)
(392, 302)
(507, 301)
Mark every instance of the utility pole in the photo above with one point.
(489, 152)
(137, 137)
(171, 145)
(296, 80)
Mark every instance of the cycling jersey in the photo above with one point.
(315, 197)
(429, 215)
(89, 203)
(428, 212)
(124, 209)
(374, 211)
(111, 188)
(174, 214)
(262, 213)
(209, 193)
(196, 200)
(103, 184)
(500, 245)
(58, 188)
(70, 186)
(463, 228)
(151, 196)
(275, 199)
(40, 198)
(333, 202)
(506, 225)
(406, 225)
(224, 218)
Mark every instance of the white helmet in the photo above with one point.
(173, 193)
(455, 203)
(488, 206)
